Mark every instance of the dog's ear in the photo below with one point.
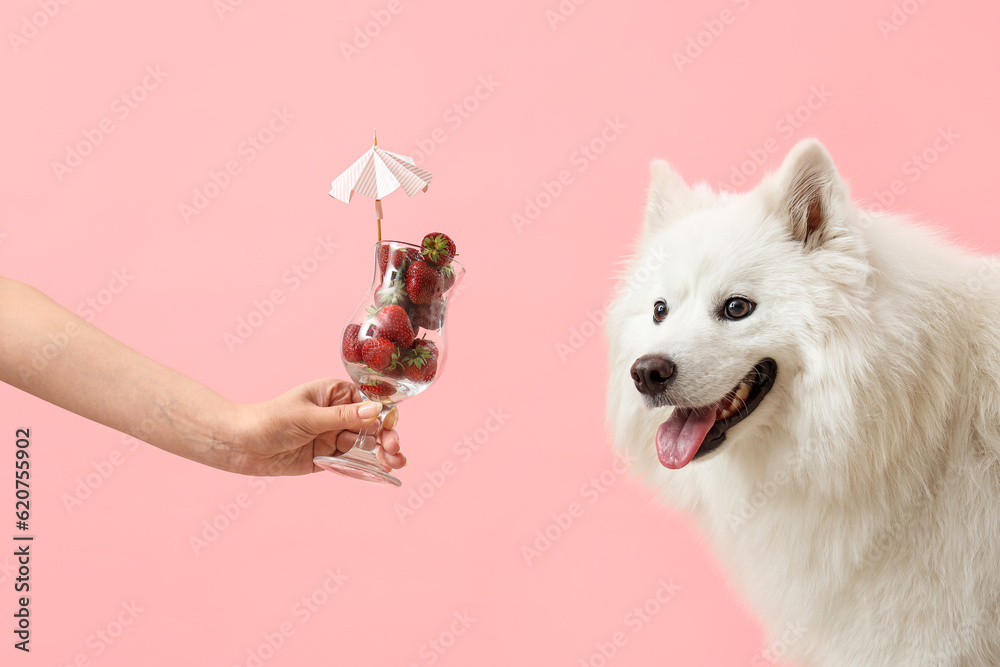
(666, 192)
(810, 193)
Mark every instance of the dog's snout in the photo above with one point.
(652, 373)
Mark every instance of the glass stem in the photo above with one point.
(373, 429)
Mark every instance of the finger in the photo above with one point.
(389, 461)
(330, 391)
(349, 417)
(347, 439)
(389, 441)
(326, 445)
(390, 419)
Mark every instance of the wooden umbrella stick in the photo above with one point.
(378, 217)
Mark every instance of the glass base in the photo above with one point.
(357, 464)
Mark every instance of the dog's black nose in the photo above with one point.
(652, 373)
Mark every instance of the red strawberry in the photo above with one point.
(400, 259)
(421, 361)
(352, 347)
(438, 249)
(392, 255)
(397, 367)
(378, 352)
(429, 316)
(392, 292)
(447, 277)
(377, 389)
(392, 323)
(383, 258)
(423, 373)
(424, 283)
(430, 345)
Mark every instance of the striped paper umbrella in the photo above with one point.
(377, 173)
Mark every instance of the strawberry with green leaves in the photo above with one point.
(437, 249)
(397, 365)
(378, 353)
(392, 292)
(421, 361)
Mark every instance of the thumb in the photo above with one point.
(347, 417)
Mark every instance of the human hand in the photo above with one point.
(283, 435)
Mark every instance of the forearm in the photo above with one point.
(57, 356)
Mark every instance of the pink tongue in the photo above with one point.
(678, 438)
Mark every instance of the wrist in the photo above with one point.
(225, 434)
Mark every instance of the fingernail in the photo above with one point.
(389, 422)
(369, 409)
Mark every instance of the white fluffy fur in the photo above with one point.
(861, 500)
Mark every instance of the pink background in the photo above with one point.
(529, 290)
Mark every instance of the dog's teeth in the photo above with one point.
(736, 403)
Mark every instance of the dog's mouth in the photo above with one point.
(692, 432)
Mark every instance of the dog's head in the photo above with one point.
(726, 296)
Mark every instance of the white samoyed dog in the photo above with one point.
(819, 387)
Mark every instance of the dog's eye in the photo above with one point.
(659, 310)
(737, 308)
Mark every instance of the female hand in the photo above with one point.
(322, 418)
